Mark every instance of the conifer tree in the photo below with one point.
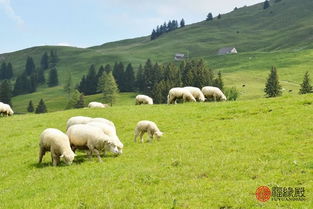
(91, 81)
(76, 101)
(209, 17)
(108, 88)
(140, 79)
(33, 82)
(6, 92)
(22, 85)
(129, 78)
(41, 107)
(118, 73)
(219, 16)
(218, 82)
(29, 66)
(68, 87)
(53, 59)
(272, 87)
(9, 71)
(44, 62)
(266, 4)
(41, 76)
(306, 85)
(30, 107)
(82, 85)
(53, 79)
(3, 69)
(182, 23)
(108, 68)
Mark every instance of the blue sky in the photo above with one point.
(84, 23)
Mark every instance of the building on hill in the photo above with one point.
(229, 50)
(179, 57)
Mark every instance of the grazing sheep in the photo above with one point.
(111, 132)
(97, 105)
(77, 120)
(196, 93)
(143, 99)
(58, 144)
(5, 109)
(87, 137)
(179, 93)
(147, 126)
(103, 120)
(213, 92)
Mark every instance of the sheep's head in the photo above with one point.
(68, 157)
(223, 98)
(114, 149)
(158, 134)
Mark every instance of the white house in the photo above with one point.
(230, 50)
(179, 57)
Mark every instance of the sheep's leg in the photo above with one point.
(54, 159)
(98, 154)
(41, 154)
(141, 136)
(136, 135)
(150, 134)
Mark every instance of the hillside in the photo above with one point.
(280, 35)
(238, 146)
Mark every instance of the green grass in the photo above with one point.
(212, 155)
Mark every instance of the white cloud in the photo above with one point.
(6, 5)
(63, 44)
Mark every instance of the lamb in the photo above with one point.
(58, 144)
(77, 120)
(143, 99)
(97, 105)
(179, 93)
(213, 92)
(196, 93)
(5, 109)
(111, 132)
(87, 137)
(147, 126)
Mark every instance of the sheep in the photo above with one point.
(87, 137)
(213, 92)
(77, 120)
(111, 132)
(58, 144)
(5, 109)
(103, 120)
(178, 93)
(147, 126)
(97, 105)
(143, 99)
(196, 93)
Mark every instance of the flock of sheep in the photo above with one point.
(188, 94)
(95, 135)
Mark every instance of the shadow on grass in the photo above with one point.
(79, 159)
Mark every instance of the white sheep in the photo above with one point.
(58, 144)
(77, 120)
(149, 127)
(196, 93)
(179, 93)
(87, 137)
(213, 92)
(103, 120)
(143, 99)
(97, 105)
(6, 109)
(111, 132)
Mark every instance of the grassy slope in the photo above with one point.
(284, 30)
(238, 146)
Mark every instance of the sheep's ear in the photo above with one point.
(62, 156)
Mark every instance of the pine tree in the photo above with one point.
(29, 66)
(129, 78)
(218, 82)
(76, 101)
(108, 68)
(266, 4)
(41, 76)
(9, 71)
(6, 92)
(22, 85)
(209, 17)
(53, 59)
(153, 35)
(108, 87)
(30, 107)
(3, 69)
(68, 87)
(53, 79)
(44, 62)
(187, 73)
(118, 73)
(219, 16)
(272, 87)
(41, 107)
(33, 82)
(82, 85)
(91, 81)
(140, 79)
(306, 86)
(182, 23)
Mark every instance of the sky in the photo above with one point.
(85, 23)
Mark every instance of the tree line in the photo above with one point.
(165, 28)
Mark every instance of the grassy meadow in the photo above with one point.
(213, 155)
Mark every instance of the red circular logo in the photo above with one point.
(263, 193)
